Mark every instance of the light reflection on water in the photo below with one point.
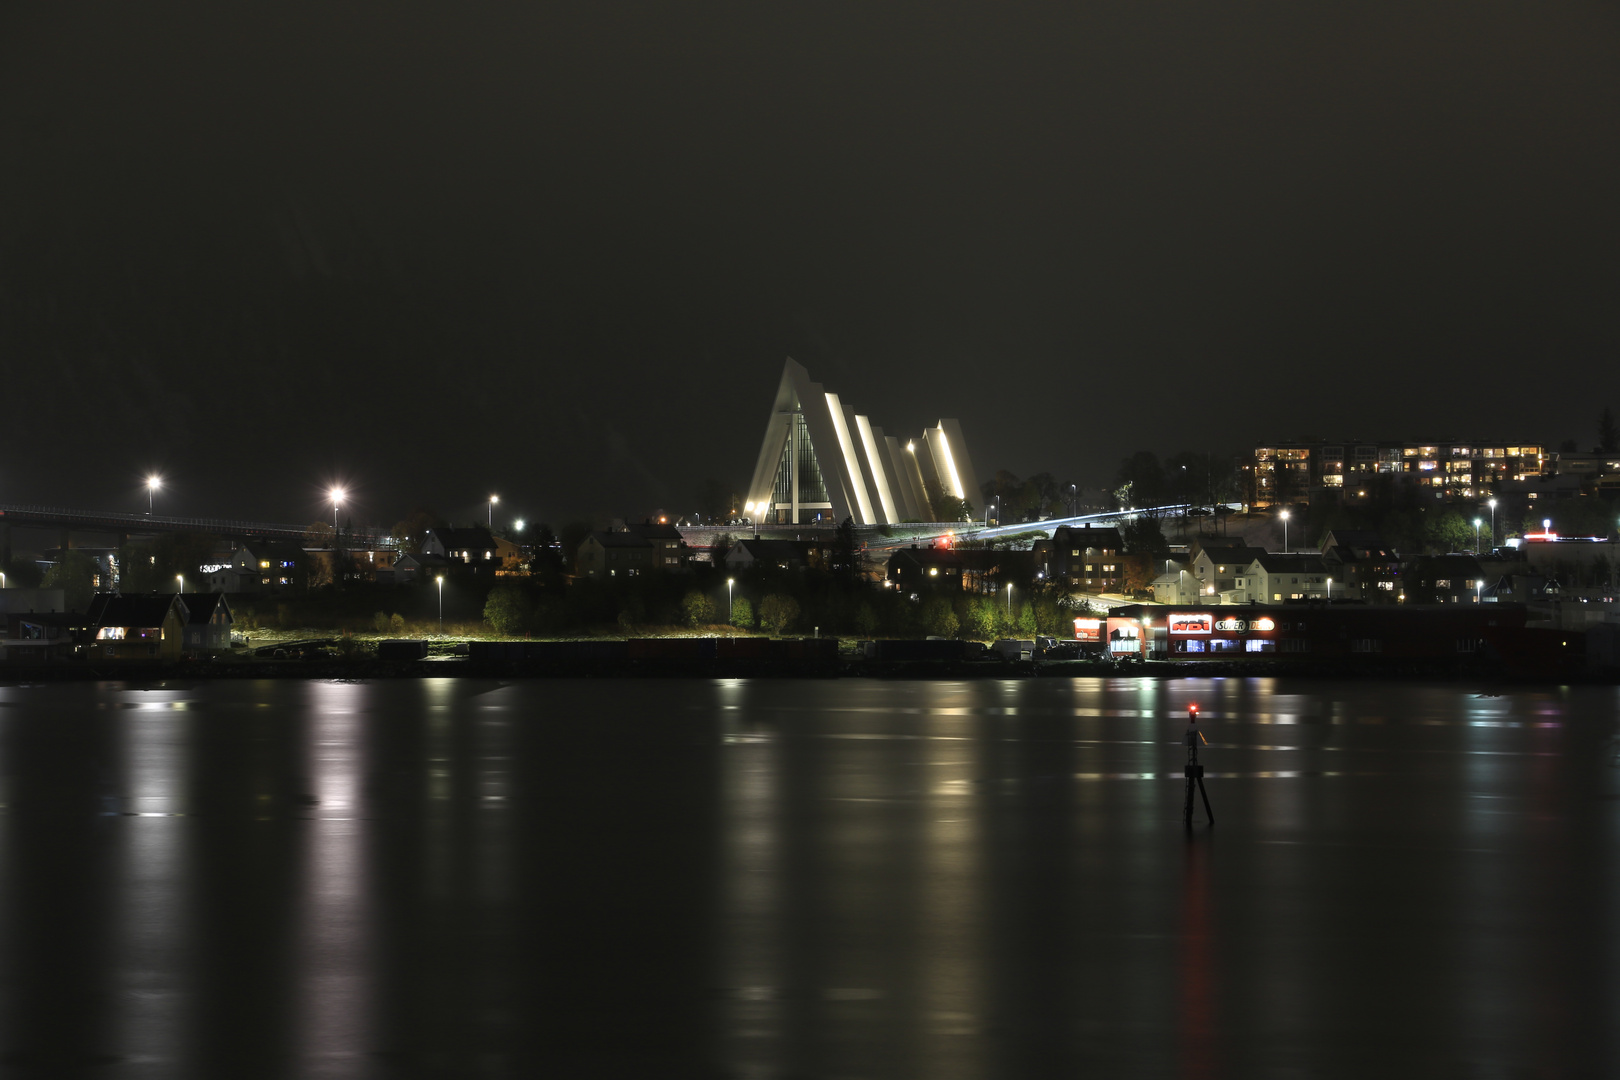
(805, 878)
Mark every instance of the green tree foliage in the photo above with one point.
(1447, 530)
(1027, 623)
(396, 624)
(379, 622)
(742, 613)
(939, 620)
(507, 609)
(632, 612)
(778, 613)
(74, 573)
(983, 618)
(697, 609)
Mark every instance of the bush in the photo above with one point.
(396, 624)
(379, 622)
(938, 618)
(742, 613)
(506, 609)
(778, 613)
(697, 609)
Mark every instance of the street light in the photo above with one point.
(1285, 531)
(181, 578)
(153, 482)
(729, 582)
(1330, 590)
(1009, 601)
(440, 580)
(518, 525)
(493, 499)
(1476, 536)
(1492, 505)
(337, 497)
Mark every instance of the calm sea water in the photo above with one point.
(807, 879)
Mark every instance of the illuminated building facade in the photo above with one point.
(1300, 473)
(822, 462)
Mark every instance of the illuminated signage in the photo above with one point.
(213, 567)
(1190, 623)
(1264, 624)
(1232, 624)
(1088, 629)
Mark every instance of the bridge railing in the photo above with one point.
(115, 520)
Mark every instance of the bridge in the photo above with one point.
(66, 521)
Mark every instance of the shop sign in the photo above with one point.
(1190, 622)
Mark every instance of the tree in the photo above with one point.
(545, 557)
(74, 573)
(983, 616)
(411, 529)
(777, 613)
(1447, 530)
(1042, 496)
(742, 613)
(396, 624)
(379, 622)
(319, 534)
(507, 609)
(1143, 536)
(697, 609)
(1143, 476)
(938, 618)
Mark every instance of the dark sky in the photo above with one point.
(560, 251)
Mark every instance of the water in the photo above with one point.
(806, 879)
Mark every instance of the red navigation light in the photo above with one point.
(1192, 710)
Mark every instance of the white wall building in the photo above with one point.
(822, 461)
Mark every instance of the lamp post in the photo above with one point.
(493, 499)
(152, 484)
(440, 580)
(1330, 590)
(337, 497)
(1476, 536)
(729, 583)
(1492, 505)
(1009, 601)
(181, 578)
(1285, 531)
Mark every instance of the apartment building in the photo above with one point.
(1303, 472)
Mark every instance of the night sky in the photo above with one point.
(559, 252)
